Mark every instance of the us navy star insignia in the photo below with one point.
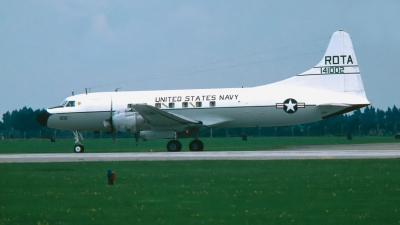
(290, 105)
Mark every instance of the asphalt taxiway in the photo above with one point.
(365, 151)
(351, 151)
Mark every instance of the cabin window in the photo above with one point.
(158, 105)
(171, 105)
(212, 104)
(184, 104)
(71, 104)
(198, 104)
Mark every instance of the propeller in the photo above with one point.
(113, 132)
(120, 121)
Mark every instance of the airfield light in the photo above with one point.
(111, 177)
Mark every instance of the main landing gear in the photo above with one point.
(78, 148)
(176, 146)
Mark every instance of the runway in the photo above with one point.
(184, 156)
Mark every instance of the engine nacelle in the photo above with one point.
(149, 134)
(127, 121)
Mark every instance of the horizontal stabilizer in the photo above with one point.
(345, 110)
(335, 104)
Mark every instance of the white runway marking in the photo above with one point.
(183, 156)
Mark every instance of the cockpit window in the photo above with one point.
(70, 104)
(64, 103)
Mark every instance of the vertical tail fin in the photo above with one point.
(339, 59)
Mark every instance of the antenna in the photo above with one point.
(73, 93)
(116, 89)
(87, 90)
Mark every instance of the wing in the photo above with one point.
(159, 118)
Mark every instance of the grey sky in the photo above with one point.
(50, 48)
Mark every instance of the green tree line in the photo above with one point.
(366, 121)
(22, 123)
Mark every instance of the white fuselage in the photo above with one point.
(215, 108)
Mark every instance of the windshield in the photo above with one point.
(64, 103)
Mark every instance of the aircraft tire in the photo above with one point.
(79, 148)
(174, 146)
(196, 145)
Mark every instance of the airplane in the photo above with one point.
(330, 88)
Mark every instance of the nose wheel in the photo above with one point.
(79, 148)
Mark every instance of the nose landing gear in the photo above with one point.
(78, 148)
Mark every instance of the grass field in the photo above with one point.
(199, 192)
(202, 192)
(211, 144)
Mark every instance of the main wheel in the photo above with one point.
(174, 146)
(196, 145)
(79, 148)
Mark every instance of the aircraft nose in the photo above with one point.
(42, 117)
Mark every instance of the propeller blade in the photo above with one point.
(137, 138)
(113, 132)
